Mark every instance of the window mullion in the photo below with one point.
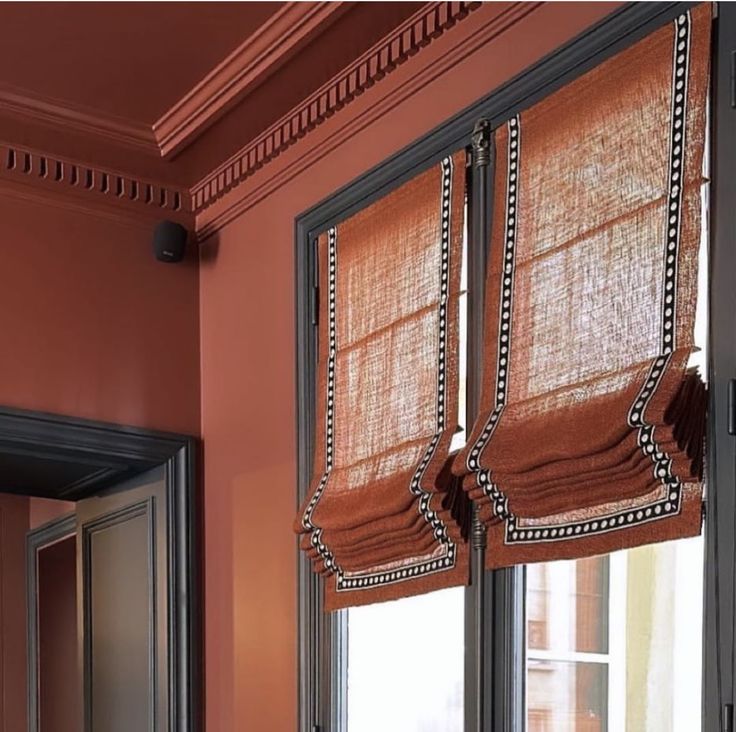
(507, 620)
(720, 582)
(478, 643)
(494, 680)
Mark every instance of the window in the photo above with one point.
(399, 631)
(618, 642)
(615, 642)
(387, 659)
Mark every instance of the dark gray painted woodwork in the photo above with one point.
(478, 596)
(123, 577)
(101, 455)
(720, 561)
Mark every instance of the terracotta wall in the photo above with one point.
(92, 325)
(248, 378)
(43, 510)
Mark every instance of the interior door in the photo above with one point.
(122, 568)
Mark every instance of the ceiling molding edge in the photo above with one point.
(222, 181)
(39, 175)
(90, 188)
(254, 61)
(403, 42)
(66, 116)
(257, 58)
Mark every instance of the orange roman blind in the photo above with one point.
(591, 429)
(378, 518)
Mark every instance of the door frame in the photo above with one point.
(118, 453)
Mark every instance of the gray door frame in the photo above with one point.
(117, 453)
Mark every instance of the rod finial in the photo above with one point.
(481, 142)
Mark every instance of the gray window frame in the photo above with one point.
(494, 615)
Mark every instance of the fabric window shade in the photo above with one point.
(591, 427)
(378, 518)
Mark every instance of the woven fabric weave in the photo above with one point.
(378, 520)
(591, 430)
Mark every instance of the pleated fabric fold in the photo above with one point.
(591, 431)
(385, 517)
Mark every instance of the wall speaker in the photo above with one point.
(169, 241)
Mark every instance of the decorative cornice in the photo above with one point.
(64, 115)
(257, 58)
(223, 179)
(406, 40)
(35, 175)
(29, 170)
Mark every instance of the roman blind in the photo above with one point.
(591, 428)
(378, 518)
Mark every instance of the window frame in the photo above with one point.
(494, 601)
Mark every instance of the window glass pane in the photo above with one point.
(393, 653)
(567, 695)
(615, 643)
(458, 439)
(567, 606)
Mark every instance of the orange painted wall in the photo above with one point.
(248, 375)
(43, 510)
(92, 325)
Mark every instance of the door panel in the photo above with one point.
(122, 572)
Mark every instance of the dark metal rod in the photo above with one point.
(482, 151)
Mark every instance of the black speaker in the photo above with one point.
(169, 241)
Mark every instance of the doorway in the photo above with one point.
(112, 588)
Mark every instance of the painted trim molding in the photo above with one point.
(31, 168)
(257, 58)
(403, 42)
(209, 222)
(44, 176)
(28, 106)
(133, 451)
(254, 61)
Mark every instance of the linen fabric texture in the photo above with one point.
(383, 516)
(591, 428)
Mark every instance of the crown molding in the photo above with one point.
(227, 179)
(406, 40)
(257, 58)
(40, 177)
(64, 115)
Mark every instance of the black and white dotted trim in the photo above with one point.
(668, 505)
(316, 537)
(671, 501)
(506, 300)
(681, 64)
(497, 498)
(364, 580)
